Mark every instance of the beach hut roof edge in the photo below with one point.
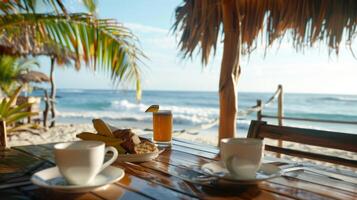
(308, 22)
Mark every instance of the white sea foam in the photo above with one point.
(178, 118)
(126, 105)
(72, 90)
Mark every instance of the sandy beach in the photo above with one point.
(64, 132)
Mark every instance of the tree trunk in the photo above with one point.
(3, 135)
(45, 113)
(53, 93)
(230, 71)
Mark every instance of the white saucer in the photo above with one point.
(217, 169)
(52, 179)
(145, 157)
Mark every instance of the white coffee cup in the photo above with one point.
(79, 162)
(242, 156)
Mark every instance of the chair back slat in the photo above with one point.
(327, 139)
(314, 156)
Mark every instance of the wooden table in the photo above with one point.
(159, 178)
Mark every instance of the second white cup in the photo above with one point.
(242, 156)
(79, 162)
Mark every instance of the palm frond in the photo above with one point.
(30, 6)
(10, 112)
(103, 44)
(91, 5)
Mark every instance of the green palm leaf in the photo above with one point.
(103, 44)
(18, 116)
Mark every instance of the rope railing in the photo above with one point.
(258, 108)
(241, 113)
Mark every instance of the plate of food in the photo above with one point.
(131, 147)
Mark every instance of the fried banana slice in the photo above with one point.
(102, 128)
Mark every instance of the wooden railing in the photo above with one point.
(279, 95)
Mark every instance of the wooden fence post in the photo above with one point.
(280, 112)
(259, 113)
(280, 105)
(3, 135)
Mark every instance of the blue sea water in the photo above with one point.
(191, 109)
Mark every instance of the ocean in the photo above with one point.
(193, 109)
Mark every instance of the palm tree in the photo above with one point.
(10, 69)
(103, 44)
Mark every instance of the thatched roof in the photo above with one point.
(307, 21)
(25, 43)
(33, 76)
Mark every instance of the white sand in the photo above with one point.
(60, 133)
(67, 132)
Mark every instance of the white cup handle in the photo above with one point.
(229, 164)
(111, 160)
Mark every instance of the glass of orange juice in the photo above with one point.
(162, 126)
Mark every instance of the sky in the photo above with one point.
(311, 71)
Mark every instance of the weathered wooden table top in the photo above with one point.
(159, 178)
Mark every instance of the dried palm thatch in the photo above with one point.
(33, 76)
(243, 21)
(308, 22)
(25, 43)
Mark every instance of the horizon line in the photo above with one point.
(163, 90)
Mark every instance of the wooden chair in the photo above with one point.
(327, 139)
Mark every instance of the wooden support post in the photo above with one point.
(53, 93)
(230, 70)
(280, 105)
(259, 113)
(29, 118)
(3, 135)
(280, 112)
(45, 112)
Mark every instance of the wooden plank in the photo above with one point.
(245, 192)
(38, 151)
(342, 141)
(314, 156)
(325, 181)
(305, 188)
(177, 158)
(195, 152)
(204, 147)
(170, 182)
(13, 161)
(206, 192)
(196, 146)
(312, 120)
(149, 188)
(44, 194)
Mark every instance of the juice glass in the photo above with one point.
(162, 126)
